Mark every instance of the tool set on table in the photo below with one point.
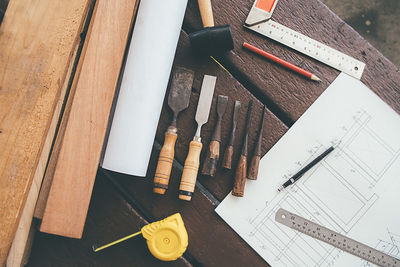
(178, 100)
(128, 150)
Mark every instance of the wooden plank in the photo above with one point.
(36, 44)
(20, 248)
(289, 93)
(55, 150)
(110, 217)
(16, 253)
(221, 184)
(69, 196)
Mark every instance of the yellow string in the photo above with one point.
(117, 241)
(216, 61)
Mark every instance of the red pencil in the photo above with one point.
(281, 62)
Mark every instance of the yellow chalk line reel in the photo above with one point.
(167, 239)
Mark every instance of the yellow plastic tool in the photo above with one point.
(167, 239)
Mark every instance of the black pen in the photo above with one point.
(300, 173)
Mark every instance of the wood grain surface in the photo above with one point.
(36, 44)
(285, 92)
(20, 245)
(287, 95)
(56, 145)
(110, 217)
(79, 156)
(205, 228)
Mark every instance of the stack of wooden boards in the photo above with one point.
(38, 56)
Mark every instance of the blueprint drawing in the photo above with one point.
(353, 191)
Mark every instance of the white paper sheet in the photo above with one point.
(148, 66)
(355, 190)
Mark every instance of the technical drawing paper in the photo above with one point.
(355, 190)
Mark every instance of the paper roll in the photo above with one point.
(144, 82)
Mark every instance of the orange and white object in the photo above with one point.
(261, 11)
(259, 20)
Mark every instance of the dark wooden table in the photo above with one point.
(122, 204)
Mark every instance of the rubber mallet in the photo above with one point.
(212, 40)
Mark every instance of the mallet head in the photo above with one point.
(212, 40)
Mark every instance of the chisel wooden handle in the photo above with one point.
(253, 169)
(206, 13)
(164, 165)
(227, 161)
(240, 177)
(210, 164)
(190, 171)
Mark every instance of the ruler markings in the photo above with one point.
(310, 47)
(335, 239)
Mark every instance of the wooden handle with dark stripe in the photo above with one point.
(164, 165)
(190, 170)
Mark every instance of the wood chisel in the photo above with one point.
(255, 160)
(192, 161)
(211, 161)
(178, 100)
(241, 171)
(335, 239)
(228, 155)
(259, 21)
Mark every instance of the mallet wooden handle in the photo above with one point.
(164, 165)
(206, 13)
(210, 164)
(240, 177)
(190, 171)
(227, 161)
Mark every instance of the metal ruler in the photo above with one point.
(258, 21)
(335, 239)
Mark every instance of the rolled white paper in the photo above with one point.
(144, 82)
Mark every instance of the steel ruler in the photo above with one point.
(335, 239)
(259, 21)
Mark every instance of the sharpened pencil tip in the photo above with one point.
(315, 78)
(337, 144)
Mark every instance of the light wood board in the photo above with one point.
(37, 39)
(20, 248)
(79, 155)
(55, 150)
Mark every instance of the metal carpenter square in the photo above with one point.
(309, 47)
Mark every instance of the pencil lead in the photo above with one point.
(337, 144)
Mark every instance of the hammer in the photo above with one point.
(212, 40)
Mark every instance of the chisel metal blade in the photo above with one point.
(206, 96)
(181, 87)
